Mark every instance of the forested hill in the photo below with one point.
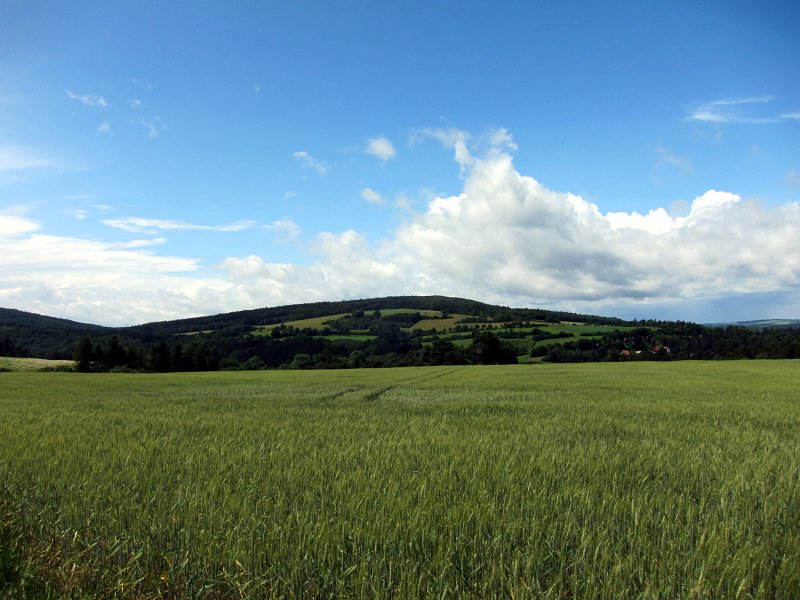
(296, 312)
(380, 332)
(32, 335)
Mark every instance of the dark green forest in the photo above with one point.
(366, 337)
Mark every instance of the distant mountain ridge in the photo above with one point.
(760, 324)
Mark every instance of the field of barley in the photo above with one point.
(642, 480)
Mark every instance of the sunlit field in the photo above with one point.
(643, 480)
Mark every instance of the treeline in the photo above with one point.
(665, 340)
(392, 347)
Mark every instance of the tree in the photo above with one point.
(254, 363)
(159, 357)
(488, 349)
(84, 354)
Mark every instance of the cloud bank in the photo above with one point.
(504, 238)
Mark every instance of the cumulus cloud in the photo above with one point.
(504, 237)
(449, 138)
(140, 225)
(508, 238)
(309, 162)
(381, 148)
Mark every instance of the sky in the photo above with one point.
(161, 160)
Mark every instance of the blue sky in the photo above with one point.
(163, 160)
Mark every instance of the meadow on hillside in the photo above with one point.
(655, 480)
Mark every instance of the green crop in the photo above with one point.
(644, 480)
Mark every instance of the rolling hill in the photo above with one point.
(380, 332)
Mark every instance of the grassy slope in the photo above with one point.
(31, 364)
(595, 480)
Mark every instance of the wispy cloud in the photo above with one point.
(155, 126)
(151, 226)
(14, 158)
(740, 110)
(371, 195)
(381, 148)
(792, 178)
(309, 162)
(104, 127)
(139, 243)
(665, 157)
(286, 229)
(88, 99)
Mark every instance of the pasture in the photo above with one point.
(640, 480)
(33, 364)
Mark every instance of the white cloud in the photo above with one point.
(88, 99)
(139, 243)
(503, 238)
(739, 110)
(94, 281)
(309, 162)
(371, 195)
(155, 126)
(13, 158)
(140, 225)
(381, 148)
(104, 127)
(508, 239)
(665, 157)
(455, 139)
(11, 226)
(792, 178)
(501, 138)
(286, 229)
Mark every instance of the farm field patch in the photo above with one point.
(549, 481)
(32, 364)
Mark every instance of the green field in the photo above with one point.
(32, 364)
(321, 322)
(641, 480)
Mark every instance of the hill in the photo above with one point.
(761, 324)
(24, 334)
(380, 332)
